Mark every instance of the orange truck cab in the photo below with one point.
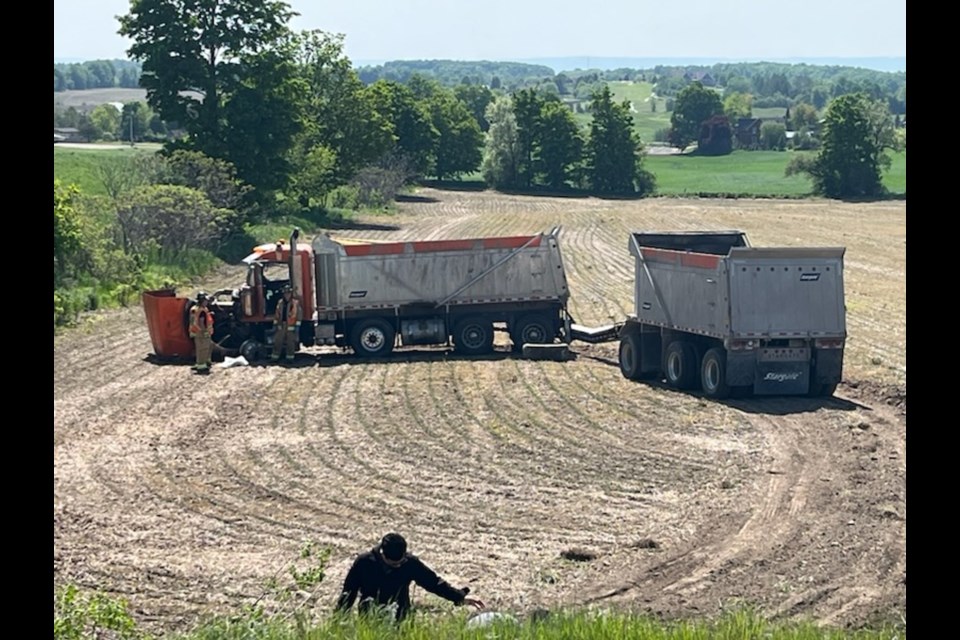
(243, 318)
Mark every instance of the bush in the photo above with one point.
(345, 197)
(773, 136)
(78, 615)
(662, 135)
(172, 219)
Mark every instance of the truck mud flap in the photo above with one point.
(829, 366)
(782, 378)
(595, 335)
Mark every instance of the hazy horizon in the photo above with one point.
(602, 63)
(506, 30)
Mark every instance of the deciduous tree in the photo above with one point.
(694, 105)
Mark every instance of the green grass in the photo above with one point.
(79, 166)
(645, 121)
(757, 173)
(746, 173)
(738, 625)
(895, 179)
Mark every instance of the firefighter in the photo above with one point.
(201, 330)
(286, 323)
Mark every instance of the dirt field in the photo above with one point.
(185, 494)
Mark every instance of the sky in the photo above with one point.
(378, 30)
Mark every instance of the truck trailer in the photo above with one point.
(713, 312)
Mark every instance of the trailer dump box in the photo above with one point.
(710, 308)
(167, 322)
(355, 275)
(371, 295)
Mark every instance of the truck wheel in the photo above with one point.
(713, 374)
(473, 336)
(372, 338)
(532, 329)
(630, 356)
(681, 365)
(250, 350)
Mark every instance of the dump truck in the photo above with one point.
(711, 311)
(375, 296)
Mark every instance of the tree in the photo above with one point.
(527, 107)
(106, 119)
(736, 84)
(738, 105)
(460, 138)
(413, 132)
(476, 97)
(67, 236)
(315, 176)
(341, 115)
(716, 137)
(614, 150)
(192, 53)
(501, 151)
(856, 133)
(216, 179)
(694, 105)
(803, 115)
(171, 219)
(773, 136)
(560, 145)
(134, 120)
(119, 174)
(263, 117)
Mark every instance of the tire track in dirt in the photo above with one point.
(780, 526)
(780, 491)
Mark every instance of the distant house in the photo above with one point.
(702, 77)
(576, 105)
(67, 134)
(747, 132)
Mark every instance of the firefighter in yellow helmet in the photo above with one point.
(286, 322)
(201, 330)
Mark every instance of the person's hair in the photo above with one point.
(393, 546)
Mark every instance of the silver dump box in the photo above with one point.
(362, 275)
(778, 313)
(432, 291)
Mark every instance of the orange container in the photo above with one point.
(167, 322)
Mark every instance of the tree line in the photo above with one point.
(96, 74)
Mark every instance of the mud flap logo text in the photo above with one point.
(781, 377)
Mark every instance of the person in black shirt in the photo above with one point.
(382, 577)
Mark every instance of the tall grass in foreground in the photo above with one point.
(81, 614)
(739, 625)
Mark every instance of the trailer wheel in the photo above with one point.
(372, 338)
(532, 329)
(473, 336)
(630, 356)
(713, 374)
(681, 365)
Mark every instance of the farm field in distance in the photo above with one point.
(186, 494)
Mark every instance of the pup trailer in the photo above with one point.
(712, 311)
